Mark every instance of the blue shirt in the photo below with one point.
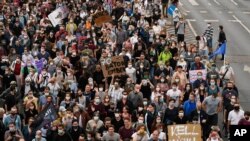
(189, 107)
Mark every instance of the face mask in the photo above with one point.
(67, 98)
(100, 89)
(124, 96)
(75, 127)
(145, 103)
(46, 94)
(162, 80)
(158, 120)
(140, 121)
(212, 83)
(177, 80)
(161, 67)
(129, 66)
(12, 129)
(230, 88)
(202, 88)
(247, 118)
(161, 99)
(60, 132)
(68, 73)
(38, 137)
(174, 88)
(199, 76)
(237, 108)
(96, 118)
(141, 67)
(140, 109)
(181, 114)
(97, 101)
(117, 115)
(160, 130)
(188, 88)
(213, 68)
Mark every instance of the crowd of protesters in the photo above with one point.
(154, 92)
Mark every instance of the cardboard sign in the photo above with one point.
(184, 132)
(193, 75)
(57, 15)
(113, 66)
(101, 17)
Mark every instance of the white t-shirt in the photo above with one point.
(235, 117)
(162, 136)
(131, 72)
(174, 95)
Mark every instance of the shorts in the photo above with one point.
(210, 43)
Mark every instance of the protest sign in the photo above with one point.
(101, 17)
(113, 66)
(57, 15)
(171, 9)
(184, 132)
(193, 75)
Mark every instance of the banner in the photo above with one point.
(193, 75)
(46, 116)
(101, 17)
(57, 15)
(184, 132)
(114, 65)
(171, 9)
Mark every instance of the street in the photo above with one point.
(234, 16)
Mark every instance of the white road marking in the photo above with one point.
(216, 2)
(188, 11)
(191, 20)
(234, 21)
(192, 28)
(203, 11)
(209, 4)
(193, 2)
(234, 2)
(230, 12)
(206, 20)
(246, 12)
(246, 68)
(244, 26)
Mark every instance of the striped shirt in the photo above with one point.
(209, 32)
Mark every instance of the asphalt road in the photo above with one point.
(234, 15)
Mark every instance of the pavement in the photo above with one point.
(234, 15)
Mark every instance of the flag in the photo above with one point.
(220, 50)
(39, 65)
(171, 9)
(46, 116)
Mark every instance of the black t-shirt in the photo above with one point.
(226, 94)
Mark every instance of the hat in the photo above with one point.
(62, 109)
(13, 83)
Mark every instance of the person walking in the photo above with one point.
(208, 34)
(222, 39)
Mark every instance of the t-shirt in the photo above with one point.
(211, 104)
(108, 137)
(235, 117)
(174, 95)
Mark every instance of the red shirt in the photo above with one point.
(17, 69)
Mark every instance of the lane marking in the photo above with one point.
(203, 11)
(234, 21)
(193, 2)
(216, 2)
(209, 4)
(188, 11)
(230, 12)
(192, 28)
(207, 20)
(246, 12)
(246, 68)
(191, 20)
(244, 26)
(234, 2)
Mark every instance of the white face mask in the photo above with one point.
(117, 115)
(96, 118)
(140, 121)
(129, 66)
(100, 89)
